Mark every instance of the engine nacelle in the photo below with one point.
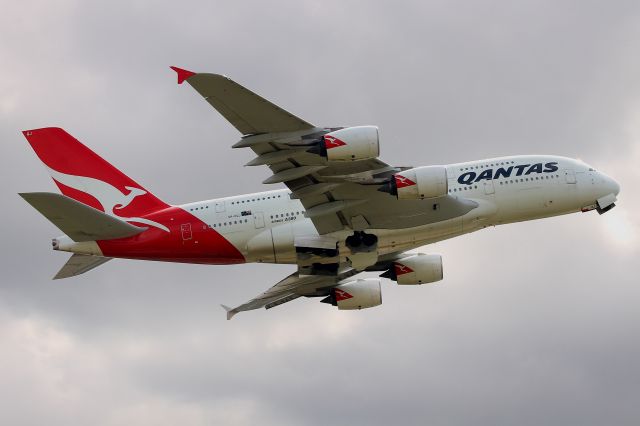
(359, 294)
(350, 144)
(416, 269)
(419, 183)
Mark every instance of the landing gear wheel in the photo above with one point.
(354, 241)
(369, 239)
(361, 242)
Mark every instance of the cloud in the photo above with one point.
(534, 322)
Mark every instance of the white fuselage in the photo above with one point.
(264, 225)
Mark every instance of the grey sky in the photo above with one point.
(534, 323)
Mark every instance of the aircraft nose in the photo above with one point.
(610, 185)
(616, 187)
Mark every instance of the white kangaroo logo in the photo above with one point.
(133, 193)
(110, 197)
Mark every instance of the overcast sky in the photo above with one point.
(534, 323)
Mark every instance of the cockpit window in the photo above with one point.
(591, 169)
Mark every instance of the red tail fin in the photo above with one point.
(84, 176)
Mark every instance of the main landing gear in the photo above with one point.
(364, 250)
(361, 242)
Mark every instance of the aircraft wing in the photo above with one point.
(246, 111)
(292, 287)
(336, 195)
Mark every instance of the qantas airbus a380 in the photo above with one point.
(343, 212)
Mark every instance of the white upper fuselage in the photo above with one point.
(264, 225)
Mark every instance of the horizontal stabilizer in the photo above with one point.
(79, 264)
(79, 221)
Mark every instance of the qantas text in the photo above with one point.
(470, 177)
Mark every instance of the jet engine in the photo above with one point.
(359, 294)
(349, 144)
(416, 269)
(418, 183)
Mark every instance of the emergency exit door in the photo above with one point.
(488, 187)
(185, 229)
(570, 176)
(258, 220)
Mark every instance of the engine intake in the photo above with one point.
(416, 269)
(418, 183)
(349, 144)
(359, 294)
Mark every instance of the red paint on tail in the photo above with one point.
(84, 176)
(107, 189)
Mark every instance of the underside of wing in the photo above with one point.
(291, 288)
(284, 291)
(338, 285)
(345, 195)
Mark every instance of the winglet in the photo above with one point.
(182, 74)
(230, 312)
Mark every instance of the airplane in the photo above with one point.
(342, 212)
